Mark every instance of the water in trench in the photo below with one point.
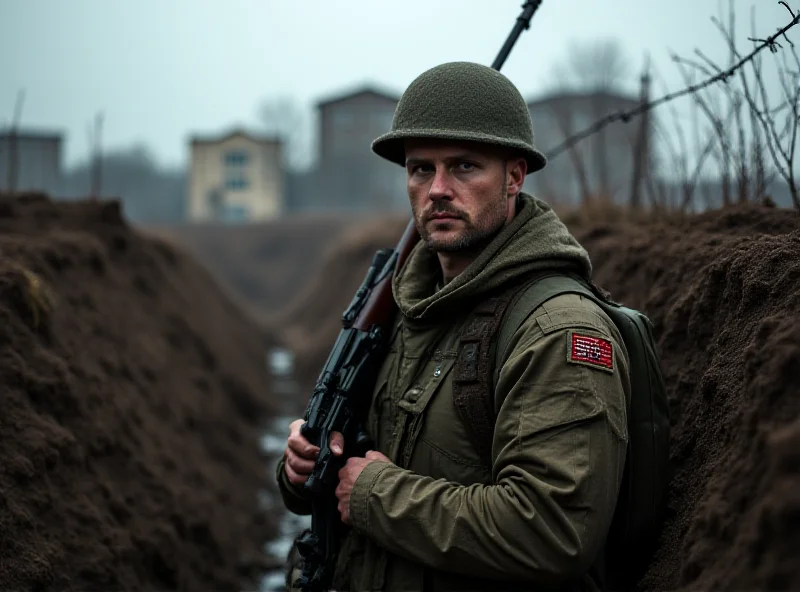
(280, 365)
(274, 442)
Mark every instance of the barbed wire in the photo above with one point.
(770, 43)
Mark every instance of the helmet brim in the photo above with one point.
(391, 145)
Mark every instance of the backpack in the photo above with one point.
(642, 499)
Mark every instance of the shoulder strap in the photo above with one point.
(485, 337)
(472, 370)
(536, 293)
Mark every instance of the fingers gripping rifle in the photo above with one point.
(341, 394)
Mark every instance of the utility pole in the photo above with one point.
(97, 165)
(13, 147)
(641, 156)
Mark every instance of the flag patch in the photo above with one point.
(592, 351)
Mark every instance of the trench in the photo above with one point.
(280, 365)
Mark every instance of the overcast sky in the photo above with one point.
(161, 70)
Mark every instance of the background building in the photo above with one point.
(236, 177)
(349, 176)
(602, 166)
(30, 161)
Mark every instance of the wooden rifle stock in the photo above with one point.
(380, 308)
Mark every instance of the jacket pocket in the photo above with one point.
(415, 401)
(452, 465)
(438, 445)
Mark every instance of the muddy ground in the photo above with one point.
(134, 394)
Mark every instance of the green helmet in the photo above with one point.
(461, 101)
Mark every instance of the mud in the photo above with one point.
(134, 396)
(723, 291)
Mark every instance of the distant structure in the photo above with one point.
(30, 161)
(606, 165)
(235, 177)
(612, 164)
(348, 175)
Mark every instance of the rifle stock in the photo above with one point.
(380, 308)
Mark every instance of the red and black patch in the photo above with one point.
(595, 352)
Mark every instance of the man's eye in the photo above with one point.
(421, 168)
(465, 166)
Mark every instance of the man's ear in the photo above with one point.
(516, 169)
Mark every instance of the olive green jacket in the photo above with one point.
(438, 518)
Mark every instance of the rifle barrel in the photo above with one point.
(523, 22)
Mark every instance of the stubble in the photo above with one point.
(474, 233)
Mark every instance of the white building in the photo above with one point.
(236, 177)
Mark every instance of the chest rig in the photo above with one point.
(473, 371)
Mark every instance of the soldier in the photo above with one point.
(515, 490)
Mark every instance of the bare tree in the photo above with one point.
(599, 65)
(735, 156)
(283, 118)
(563, 119)
(781, 140)
(595, 70)
(734, 141)
(683, 157)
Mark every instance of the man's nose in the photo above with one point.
(440, 185)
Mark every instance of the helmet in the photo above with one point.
(461, 101)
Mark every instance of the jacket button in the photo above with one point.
(413, 394)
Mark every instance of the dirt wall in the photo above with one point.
(134, 395)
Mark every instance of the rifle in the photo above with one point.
(340, 396)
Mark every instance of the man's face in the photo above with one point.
(459, 192)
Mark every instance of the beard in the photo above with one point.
(475, 233)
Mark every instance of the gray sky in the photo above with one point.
(161, 70)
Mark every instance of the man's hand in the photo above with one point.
(347, 479)
(301, 454)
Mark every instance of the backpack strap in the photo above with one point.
(482, 348)
(473, 392)
(537, 292)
